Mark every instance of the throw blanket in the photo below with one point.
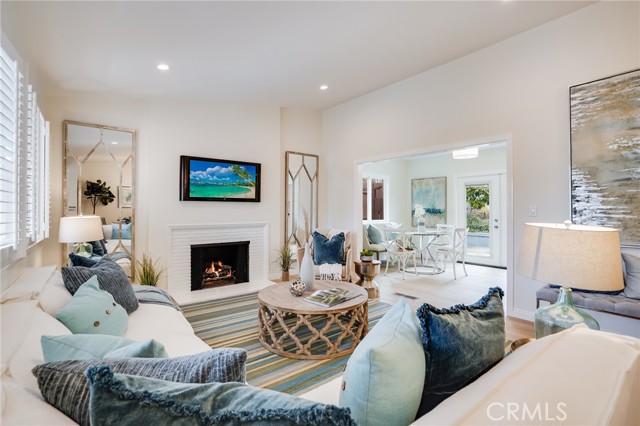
(151, 294)
(330, 271)
(119, 255)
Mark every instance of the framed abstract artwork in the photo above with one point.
(431, 195)
(125, 197)
(605, 154)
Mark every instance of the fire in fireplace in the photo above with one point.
(220, 264)
(217, 273)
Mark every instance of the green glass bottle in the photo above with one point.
(561, 315)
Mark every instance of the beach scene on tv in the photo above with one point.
(212, 179)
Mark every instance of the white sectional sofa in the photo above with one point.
(577, 377)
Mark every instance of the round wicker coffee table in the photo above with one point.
(294, 328)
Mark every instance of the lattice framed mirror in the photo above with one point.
(102, 155)
(301, 196)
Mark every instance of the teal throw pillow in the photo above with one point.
(64, 385)
(111, 277)
(328, 250)
(124, 235)
(91, 346)
(460, 343)
(384, 378)
(93, 311)
(131, 400)
(375, 235)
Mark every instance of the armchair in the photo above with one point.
(378, 247)
(347, 261)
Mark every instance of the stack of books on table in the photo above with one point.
(330, 297)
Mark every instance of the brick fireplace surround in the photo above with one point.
(181, 237)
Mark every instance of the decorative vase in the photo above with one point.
(561, 315)
(421, 224)
(285, 276)
(297, 288)
(366, 258)
(306, 268)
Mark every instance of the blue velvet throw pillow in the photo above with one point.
(99, 248)
(460, 344)
(328, 250)
(87, 262)
(131, 400)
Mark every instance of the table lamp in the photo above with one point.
(573, 257)
(79, 230)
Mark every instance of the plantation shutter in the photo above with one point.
(8, 151)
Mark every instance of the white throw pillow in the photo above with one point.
(54, 295)
(107, 231)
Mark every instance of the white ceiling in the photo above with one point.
(273, 53)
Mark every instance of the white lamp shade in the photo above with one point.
(580, 257)
(77, 229)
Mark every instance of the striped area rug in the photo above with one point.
(233, 322)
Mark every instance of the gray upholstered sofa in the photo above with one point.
(626, 303)
(617, 304)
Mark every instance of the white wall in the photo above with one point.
(301, 131)
(168, 129)
(518, 87)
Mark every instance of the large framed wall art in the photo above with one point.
(605, 154)
(430, 194)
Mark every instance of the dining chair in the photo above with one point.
(402, 249)
(442, 240)
(455, 251)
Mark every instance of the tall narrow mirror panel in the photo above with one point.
(301, 197)
(99, 166)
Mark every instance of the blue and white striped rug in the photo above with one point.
(233, 322)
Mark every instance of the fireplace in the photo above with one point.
(219, 264)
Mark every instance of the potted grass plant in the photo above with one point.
(148, 271)
(284, 260)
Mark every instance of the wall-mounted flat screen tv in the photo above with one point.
(209, 179)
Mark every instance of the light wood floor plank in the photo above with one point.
(443, 291)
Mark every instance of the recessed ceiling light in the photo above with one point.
(163, 67)
(464, 154)
(114, 143)
(324, 87)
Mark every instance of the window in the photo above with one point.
(24, 163)
(374, 197)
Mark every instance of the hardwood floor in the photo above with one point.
(443, 291)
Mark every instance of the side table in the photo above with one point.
(367, 272)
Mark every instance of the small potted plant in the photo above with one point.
(366, 255)
(148, 272)
(284, 260)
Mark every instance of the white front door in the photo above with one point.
(482, 208)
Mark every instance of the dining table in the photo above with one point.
(425, 239)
